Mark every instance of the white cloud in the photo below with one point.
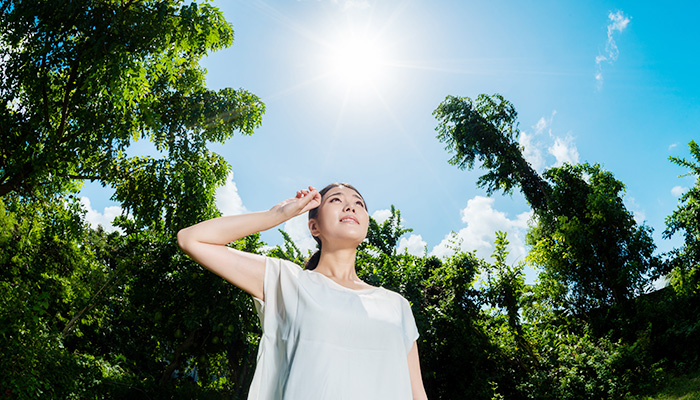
(637, 211)
(381, 215)
(298, 230)
(414, 245)
(227, 199)
(678, 191)
(564, 150)
(482, 222)
(618, 23)
(672, 146)
(105, 218)
(531, 151)
(532, 147)
(541, 125)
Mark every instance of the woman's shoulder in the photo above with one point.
(391, 294)
(278, 266)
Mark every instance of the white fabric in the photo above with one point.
(323, 341)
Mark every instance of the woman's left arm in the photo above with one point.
(414, 372)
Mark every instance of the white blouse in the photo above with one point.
(323, 341)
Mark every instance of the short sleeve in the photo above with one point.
(281, 291)
(410, 330)
(281, 294)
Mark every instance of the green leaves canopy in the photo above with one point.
(485, 129)
(83, 80)
(589, 241)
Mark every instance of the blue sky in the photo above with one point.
(605, 82)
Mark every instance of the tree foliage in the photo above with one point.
(685, 275)
(51, 274)
(589, 241)
(83, 80)
(586, 241)
(485, 129)
(91, 314)
(385, 236)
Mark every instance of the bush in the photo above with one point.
(583, 367)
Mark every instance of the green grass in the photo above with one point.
(684, 387)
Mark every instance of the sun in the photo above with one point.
(357, 60)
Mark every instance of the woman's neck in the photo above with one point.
(338, 264)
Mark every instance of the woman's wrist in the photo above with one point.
(276, 216)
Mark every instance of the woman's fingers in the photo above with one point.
(311, 200)
(302, 201)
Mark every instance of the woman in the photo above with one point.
(326, 333)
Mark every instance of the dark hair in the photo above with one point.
(312, 262)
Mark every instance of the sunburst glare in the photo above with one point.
(356, 60)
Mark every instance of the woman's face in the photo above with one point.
(342, 218)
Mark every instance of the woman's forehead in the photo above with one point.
(343, 190)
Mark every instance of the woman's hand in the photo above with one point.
(304, 201)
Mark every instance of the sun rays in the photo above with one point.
(357, 60)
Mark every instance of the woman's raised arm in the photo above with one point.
(206, 241)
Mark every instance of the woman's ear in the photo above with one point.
(313, 227)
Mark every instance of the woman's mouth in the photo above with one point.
(350, 219)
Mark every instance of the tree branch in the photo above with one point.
(66, 100)
(91, 304)
(45, 95)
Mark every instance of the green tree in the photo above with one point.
(585, 238)
(505, 284)
(504, 290)
(53, 283)
(685, 262)
(125, 313)
(385, 237)
(84, 79)
(589, 242)
(485, 129)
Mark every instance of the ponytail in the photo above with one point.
(312, 262)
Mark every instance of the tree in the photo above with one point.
(585, 238)
(485, 130)
(51, 273)
(386, 236)
(504, 290)
(125, 313)
(685, 275)
(83, 80)
(590, 242)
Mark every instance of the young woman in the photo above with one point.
(327, 335)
